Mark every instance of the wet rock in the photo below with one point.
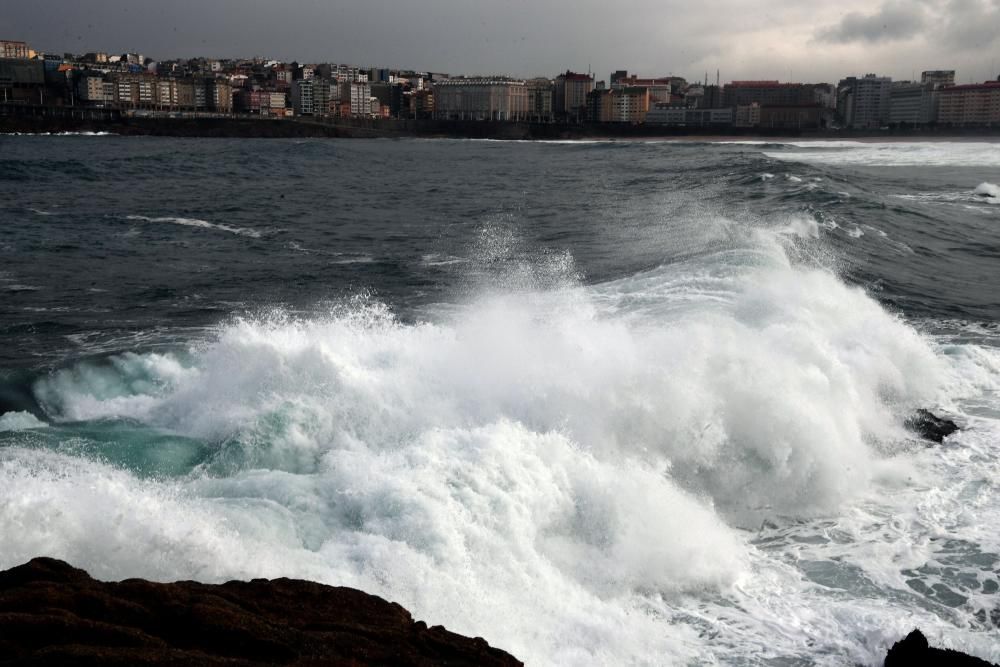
(52, 613)
(931, 427)
(914, 651)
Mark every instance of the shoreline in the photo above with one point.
(55, 612)
(242, 127)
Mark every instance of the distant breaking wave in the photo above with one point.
(892, 154)
(194, 222)
(989, 192)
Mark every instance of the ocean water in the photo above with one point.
(600, 403)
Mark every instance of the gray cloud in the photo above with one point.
(894, 21)
(969, 25)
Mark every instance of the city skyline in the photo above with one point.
(779, 40)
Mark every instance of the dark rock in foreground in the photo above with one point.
(52, 613)
(914, 651)
(931, 427)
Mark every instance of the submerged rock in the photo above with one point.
(914, 651)
(931, 427)
(52, 613)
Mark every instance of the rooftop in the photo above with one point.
(986, 85)
(762, 84)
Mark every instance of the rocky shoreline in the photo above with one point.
(53, 613)
(914, 651)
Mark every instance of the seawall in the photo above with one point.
(56, 120)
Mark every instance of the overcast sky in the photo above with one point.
(764, 39)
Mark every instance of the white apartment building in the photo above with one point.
(481, 98)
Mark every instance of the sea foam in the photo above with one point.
(577, 472)
(194, 222)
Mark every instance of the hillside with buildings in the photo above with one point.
(114, 87)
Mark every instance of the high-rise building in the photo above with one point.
(539, 99)
(864, 102)
(912, 103)
(359, 95)
(975, 104)
(569, 97)
(303, 101)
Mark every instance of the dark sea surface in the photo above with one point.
(600, 403)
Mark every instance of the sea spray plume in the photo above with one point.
(502, 263)
(760, 386)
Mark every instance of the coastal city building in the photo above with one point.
(913, 104)
(11, 49)
(569, 97)
(863, 102)
(772, 104)
(790, 116)
(261, 102)
(91, 90)
(22, 81)
(660, 90)
(665, 114)
(970, 105)
(747, 115)
(133, 84)
(358, 96)
(710, 98)
(136, 90)
(421, 104)
(624, 104)
(481, 98)
(764, 93)
(539, 99)
(303, 101)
